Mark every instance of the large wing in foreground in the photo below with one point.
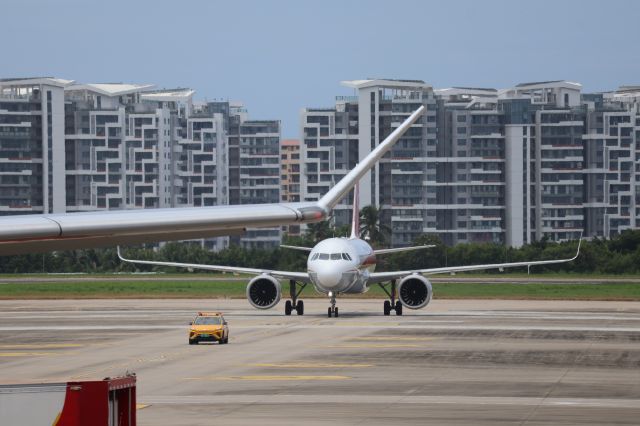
(377, 277)
(38, 233)
(298, 276)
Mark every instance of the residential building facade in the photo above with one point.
(539, 160)
(32, 163)
(290, 178)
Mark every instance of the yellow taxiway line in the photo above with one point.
(42, 346)
(15, 354)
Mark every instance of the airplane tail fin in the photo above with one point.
(355, 220)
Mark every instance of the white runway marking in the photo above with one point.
(388, 399)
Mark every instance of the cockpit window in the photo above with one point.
(324, 256)
(346, 256)
(336, 256)
(315, 256)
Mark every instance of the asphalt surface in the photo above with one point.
(455, 362)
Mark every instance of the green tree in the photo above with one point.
(319, 231)
(372, 228)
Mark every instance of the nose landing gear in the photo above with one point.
(294, 303)
(392, 304)
(333, 310)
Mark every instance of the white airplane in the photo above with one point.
(344, 266)
(39, 233)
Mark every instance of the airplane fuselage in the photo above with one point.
(341, 265)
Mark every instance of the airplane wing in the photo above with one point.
(40, 233)
(399, 249)
(296, 247)
(298, 276)
(377, 277)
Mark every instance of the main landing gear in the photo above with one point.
(333, 309)
(392, 304)
(294, 303)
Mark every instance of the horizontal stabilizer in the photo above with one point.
(399, 249)
(296, 247)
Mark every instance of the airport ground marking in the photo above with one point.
(371, 346)
(27, 354)
(141, 406)
(42, 346)
(269, 378)
(308, 365)
(387, 338)
(360, 324)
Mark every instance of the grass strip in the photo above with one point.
(236, 289)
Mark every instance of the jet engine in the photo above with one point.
(414, 291)
(263, 292)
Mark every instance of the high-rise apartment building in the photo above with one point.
(259, 171)
(290, 178)
(84, 147)
(335, 139)
(543, 128)
(290, 170)
(32, 163)
(253, 173)
(469, 167)
(129, 146)
(539, 160)
(328, 150)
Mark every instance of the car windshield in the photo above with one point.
(208, 321)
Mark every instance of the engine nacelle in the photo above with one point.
(415, 291)
(263, 292)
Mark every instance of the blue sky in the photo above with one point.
(282, 55)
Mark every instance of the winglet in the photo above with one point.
(579, 243)
(340, 189)
(120, 254)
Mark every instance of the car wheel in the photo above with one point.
(193, 342)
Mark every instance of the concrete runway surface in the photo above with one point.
(455, 362)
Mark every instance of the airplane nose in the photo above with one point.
(329, 279)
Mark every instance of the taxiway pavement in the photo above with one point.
(455, 362)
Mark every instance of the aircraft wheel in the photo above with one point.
(387, 307)
(287, 307)
(398, 308)
(329, 312)
(300, 307)
(335, 312)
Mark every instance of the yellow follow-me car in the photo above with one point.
(208, 327)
